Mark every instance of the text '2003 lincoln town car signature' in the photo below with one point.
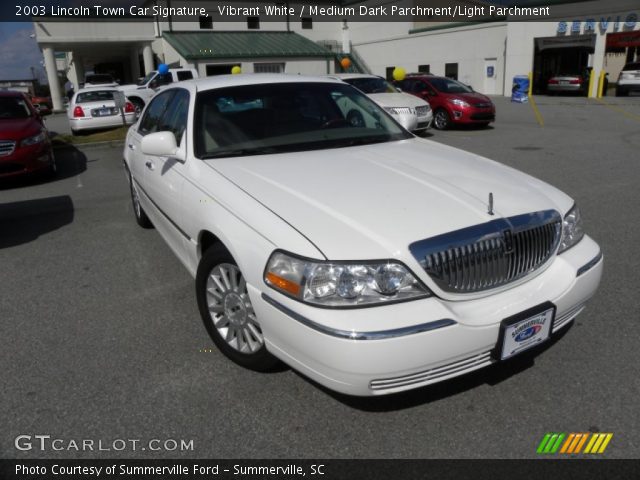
(368, 259)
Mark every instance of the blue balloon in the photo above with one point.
(163, 68)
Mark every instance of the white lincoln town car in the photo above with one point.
(368, 259)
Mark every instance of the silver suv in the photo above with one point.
(629, 80)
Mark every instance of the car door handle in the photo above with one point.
(131, 147)
(150, 165)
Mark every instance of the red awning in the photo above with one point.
(623, 39)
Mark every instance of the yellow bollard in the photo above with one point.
(530, 84)
(592, 77)
(601, 83)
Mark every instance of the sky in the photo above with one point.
(19, 52)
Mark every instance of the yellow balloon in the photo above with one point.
(236, 70)
(399, 74)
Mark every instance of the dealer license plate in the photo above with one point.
(563, 82)
(525, 330)
(103, 112)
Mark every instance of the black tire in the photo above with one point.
(138, 211)
(244, 343)
(621, 93)
(441, 119)
(75, 133)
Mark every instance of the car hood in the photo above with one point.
(472, 98)
(396, 100)
(372, 201)
(15, 129)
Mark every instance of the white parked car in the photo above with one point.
(368, 259)
(628, 80)
(96, 108)
(411, 112)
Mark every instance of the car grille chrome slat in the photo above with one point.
(429, 376)
(7, 147)
(490, 255)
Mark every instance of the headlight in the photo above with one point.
(458, 102)
(391, 110)
(35, 139)
(572, 231)
(342, 284)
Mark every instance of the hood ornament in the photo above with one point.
(490, 209)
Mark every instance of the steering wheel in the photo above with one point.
(335, 122)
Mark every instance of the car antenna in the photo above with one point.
(490, 211)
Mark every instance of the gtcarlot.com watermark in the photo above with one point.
(47, 443)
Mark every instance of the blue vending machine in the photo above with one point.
(520, 89)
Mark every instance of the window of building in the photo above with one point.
(206, 22)
(268, 67)
(451, 70)
(424, 68)
(307, 23)
(219, 69)
(253, 23)
(389, 73)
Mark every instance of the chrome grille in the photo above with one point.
(491, 254)
(7, 147)
(435, 374)
(422, 111)
(402, 110)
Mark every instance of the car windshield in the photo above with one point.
(631, 66)
(371, 85)
(95, 96)
(147, 79)
(14, 107)
(288, 117)
(99, 78)
(447, 85)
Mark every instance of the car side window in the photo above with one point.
(152, 115)
(175, 116)
(420, 86)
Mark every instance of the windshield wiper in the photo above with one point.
(239, 152)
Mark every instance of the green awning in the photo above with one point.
(238, 45)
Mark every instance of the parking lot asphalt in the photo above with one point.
(103, 341)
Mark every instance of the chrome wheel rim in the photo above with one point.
(231, 311)
(441, 119)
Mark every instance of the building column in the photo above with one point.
(596, 62)
(135, 64)
(147, 55)
(52, 78)
(73, 74)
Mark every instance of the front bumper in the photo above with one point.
(381, 350)
(26, 160)
(472, 115)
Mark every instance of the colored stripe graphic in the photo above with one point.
(550, 443)
(572, 443)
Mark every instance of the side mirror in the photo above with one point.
(153, 84)
(161, 144)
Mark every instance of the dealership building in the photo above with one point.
(578, 37)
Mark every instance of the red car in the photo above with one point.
(43, 105)
(25, 146)
(452, 102)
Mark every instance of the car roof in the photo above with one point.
(97, 88)
(11, 93)
(347, 76)
(222, 81)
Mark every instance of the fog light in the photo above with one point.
(43, 158)
(457, 114)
